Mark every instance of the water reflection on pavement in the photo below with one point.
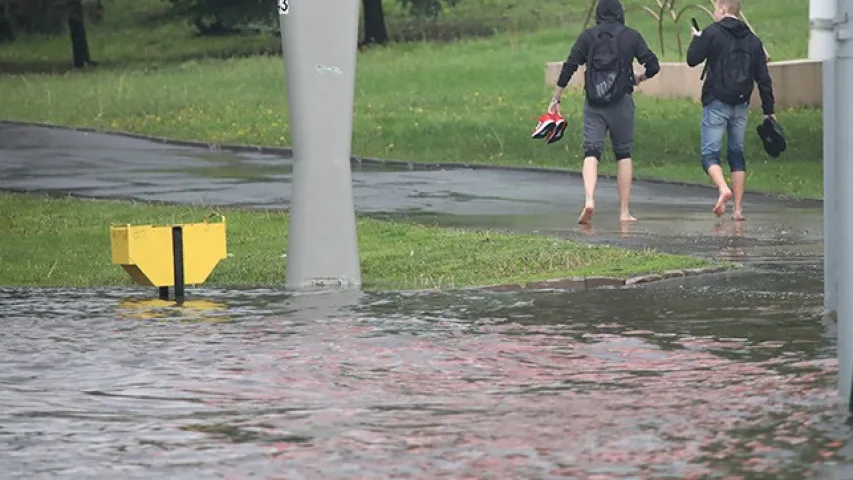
(730, 378)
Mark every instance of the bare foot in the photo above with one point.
(720, 207)
(738, 216)
(627, 217)
(586, 214)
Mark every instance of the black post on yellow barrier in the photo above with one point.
(178, 259)
(177, 267)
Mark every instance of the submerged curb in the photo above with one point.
(414, 166)
(582, 283)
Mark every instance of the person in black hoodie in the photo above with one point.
(608, 51)
(735, 62)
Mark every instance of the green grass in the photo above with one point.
(474, 100)
(142, 33)
(65, 242)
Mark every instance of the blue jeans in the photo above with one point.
(719, 119)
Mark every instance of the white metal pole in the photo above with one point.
(319, 42)
(844, 216)
(821, 34)
(830, 190)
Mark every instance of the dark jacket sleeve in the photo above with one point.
(697, 52)
(762, 78)
(577, 57)
(646, 57)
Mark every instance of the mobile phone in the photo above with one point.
(695, 24)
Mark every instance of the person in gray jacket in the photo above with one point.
(608, 50)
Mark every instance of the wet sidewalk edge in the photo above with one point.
(580, 283)
(553, 284)
(411, 165)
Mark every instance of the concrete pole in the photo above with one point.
(319, 42)
(308, 306)
(830, 190)
(821, 34)
(844, 216)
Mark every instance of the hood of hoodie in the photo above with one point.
(734, 26)
(609, 11)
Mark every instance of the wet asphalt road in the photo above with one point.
(673, 218)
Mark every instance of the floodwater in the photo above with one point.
(726, 378)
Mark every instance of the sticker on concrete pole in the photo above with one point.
(283, 7)
(322, 69)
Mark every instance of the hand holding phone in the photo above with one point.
(696, 30)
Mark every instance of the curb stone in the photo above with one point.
(287, 152)
(585, 283)
(643, 279)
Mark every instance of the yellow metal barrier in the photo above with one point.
(166, 256)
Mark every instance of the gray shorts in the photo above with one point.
(618, 119)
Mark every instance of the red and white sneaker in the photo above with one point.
(546, 124)
(559, 129)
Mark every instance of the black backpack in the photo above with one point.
(603, 68)
(732, 79)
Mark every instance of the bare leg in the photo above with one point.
(716, 174)
(624, 176)
(590, 178)
(738, 185)
(737, 163)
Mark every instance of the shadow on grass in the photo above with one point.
(452, 29)
(401, 30)
(60, 67)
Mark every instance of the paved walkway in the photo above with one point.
(672, 218)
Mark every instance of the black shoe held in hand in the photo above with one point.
(772, 136)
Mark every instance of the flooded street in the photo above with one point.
(726, 378)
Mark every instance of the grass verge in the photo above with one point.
(65, 242)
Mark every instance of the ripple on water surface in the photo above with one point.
(691, 382)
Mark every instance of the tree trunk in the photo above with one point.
(374, 23)
(7, 33)
(79, 44)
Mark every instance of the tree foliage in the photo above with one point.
(51, 17)
(19, 17)
(427, 8)
(219, 17)
(33, 16)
